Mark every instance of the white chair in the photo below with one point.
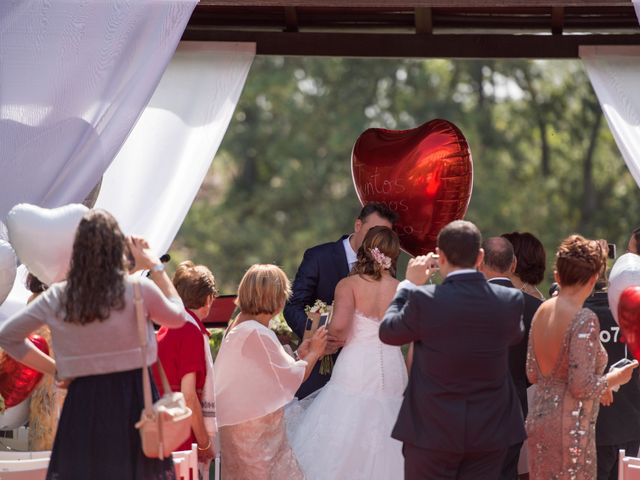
(186, 463)
(628, 467)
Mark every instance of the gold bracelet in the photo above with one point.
(205, 448)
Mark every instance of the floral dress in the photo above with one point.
(561, 424)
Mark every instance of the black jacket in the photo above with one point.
(460, 396)
(518, 352)
(620, 422)
(322, 267)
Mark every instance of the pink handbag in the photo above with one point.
(165, 424)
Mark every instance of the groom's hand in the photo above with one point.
(421, 268)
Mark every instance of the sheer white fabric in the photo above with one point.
(253, 375)
(152, 182)
(74, 78)
(344, 429)
(615, 75)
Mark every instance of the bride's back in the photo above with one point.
(372, 297)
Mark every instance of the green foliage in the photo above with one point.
(544, 159)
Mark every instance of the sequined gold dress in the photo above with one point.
(562, 418)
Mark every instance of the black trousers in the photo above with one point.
(608, 458)
(510, 465)
(424, 464)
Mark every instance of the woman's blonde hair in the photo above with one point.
(263, 289)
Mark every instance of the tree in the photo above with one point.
(281, 182)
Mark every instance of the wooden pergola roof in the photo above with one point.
(418, 28)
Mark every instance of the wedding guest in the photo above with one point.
(566, 362)
(95, 338)
(531, 262)
(498, 265)
(618, 425)
(460, 412)
(46, 400)
(186, 357)
(255, 378)
(634, 241)
(322, 267)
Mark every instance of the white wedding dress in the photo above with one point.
(343, 431)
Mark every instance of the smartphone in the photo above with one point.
(324, 320)
(611, 250)
(620, 363)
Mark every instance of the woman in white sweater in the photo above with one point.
(97, 352)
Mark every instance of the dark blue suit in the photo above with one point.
(460, 411)
(322, 267)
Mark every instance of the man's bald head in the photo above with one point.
(498, 254)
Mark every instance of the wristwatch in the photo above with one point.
(158, 267)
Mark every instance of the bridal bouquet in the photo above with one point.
(315, 314)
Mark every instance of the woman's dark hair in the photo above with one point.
(387, 243)
(96, 280)
(530, 255)
(636, 236)
(34, 285)
(578, 259)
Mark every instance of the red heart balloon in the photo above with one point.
(17, 381)
(629, 318)
(425, 174)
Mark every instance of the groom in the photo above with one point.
(460, 412)
(322, 267)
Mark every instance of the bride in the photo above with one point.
(344, 430)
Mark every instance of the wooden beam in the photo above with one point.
(557, 20)
(291, 19)
(424, 21)
(410, 45)
(415, 3)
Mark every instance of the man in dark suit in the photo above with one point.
(498, 265)
(618, 425)
(460, 412)
(322, 267)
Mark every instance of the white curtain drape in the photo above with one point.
(152, 182)
(614, 73)
(74, 78)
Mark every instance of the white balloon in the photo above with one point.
(43, 238)
(625, 273)
(16, 416)
(8, 265)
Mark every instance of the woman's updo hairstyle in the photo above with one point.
(578, 260)
(379, 251)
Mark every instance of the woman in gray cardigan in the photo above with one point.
(97, 352)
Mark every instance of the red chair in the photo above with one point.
(222, 311)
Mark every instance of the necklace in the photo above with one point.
(531, 290)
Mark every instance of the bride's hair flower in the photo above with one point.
(380, 258)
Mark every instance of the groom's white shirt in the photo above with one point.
(352, 256)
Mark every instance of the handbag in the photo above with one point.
(165, 424)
